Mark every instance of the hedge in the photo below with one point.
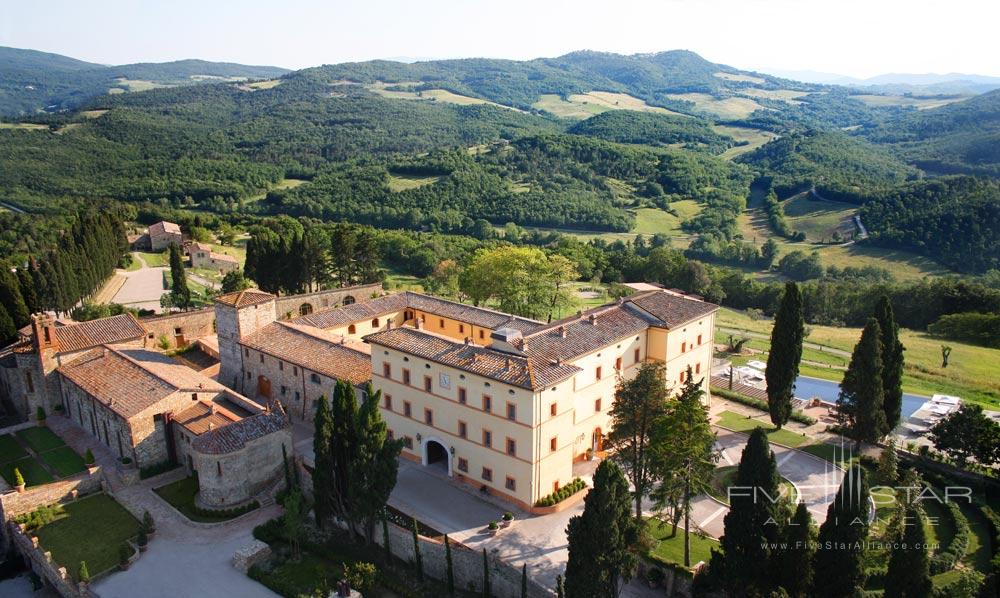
(946, 558)
(226, 513)
(796, 416)
(156, 469)
(562, 494)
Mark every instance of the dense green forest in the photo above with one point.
(624, 126)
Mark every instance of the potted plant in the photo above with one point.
(18, 480)
(82, 573)
(148, 524)
(124, 555)
(142, 540)
(507, 519)
(494, 528)
(40, 416)
(88, 458)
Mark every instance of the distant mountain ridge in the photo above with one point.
(915, 83)
(32, 81)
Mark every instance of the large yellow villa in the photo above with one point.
(502, 403)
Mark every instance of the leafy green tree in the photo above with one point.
(602, 539)
(11, 298)
(892, 362)
(638, 404)
(909, 574)
(839, 569)
(179, 289)
(793, 563)
(968, 434)
(785, 355)
(323, 486)
(234, 281)
(520, 280)
(683, 453)
(860, 402)
(752, 524)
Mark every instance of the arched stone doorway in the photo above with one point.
(305, 309)
(597, 440)
(436, 455)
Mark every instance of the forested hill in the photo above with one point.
(32, 81)
(963, 137)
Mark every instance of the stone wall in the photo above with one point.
(232, 479)
(42, 563)
(13, 503)
(181, 328)
(103, 424)
(291, 305)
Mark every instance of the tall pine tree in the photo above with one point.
(909, 574)
(178, 278)
(323, 490)
(601, 539)
(785, 355)
(839, 569)
(12, 299)
(860, 403)
(753, 522)
(892, 362)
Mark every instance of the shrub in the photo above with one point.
(269, 532)
(143, 538)
(227, 513)
(59, 408)
(361, 576)
(40, 516)
(147, 522)
(156, 469)
(124, 554)
(948, 556)
(126, 460)
(82, 573)
(655, 575)
(494, 525)
(40, 414)
(18, 478)
(88, 457)
(562, 494)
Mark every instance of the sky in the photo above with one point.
(859, 38)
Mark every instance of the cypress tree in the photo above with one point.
(182, 295)
(785, 354)
(793, 564)
(12, 299)
(860, 403)
(524, 580)
(600, 540)
(342, 444)
(752, 523)
(560, 591)
(374, 464)
(487, 593)
(418, 561)
(892, 362)
(7, 328)
(838, 569)
(449, 567)
(909, 574)
(386, 543)
(888, 465)
(323, 491)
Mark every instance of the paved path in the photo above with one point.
(143, 287)
(184, 559)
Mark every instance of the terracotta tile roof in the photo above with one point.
(164, 227)
(103, 331)
(245, 298)
(525, 372)
(587, 332)
(672, 308)
(380, 306)
(314, 350)
(235, 436)
(131, 380)
(201, 417)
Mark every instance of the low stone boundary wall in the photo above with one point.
(252, 554)
(43, 565)
(14, 503)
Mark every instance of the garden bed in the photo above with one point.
(725, 477)
(668, 548)
(48, 447)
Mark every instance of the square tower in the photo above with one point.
(238, 315)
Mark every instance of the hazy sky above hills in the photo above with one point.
(859, 38)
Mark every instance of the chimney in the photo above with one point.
(211, 426)
(44, 328)
(562, 331)
(418, 324)
(211, 407)
(508, 363)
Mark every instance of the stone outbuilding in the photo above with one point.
(202, 256)
(162, 234)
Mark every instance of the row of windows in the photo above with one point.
(463, 427)
(487, 400)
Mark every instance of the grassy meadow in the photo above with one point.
(581, 106)
(726, 108)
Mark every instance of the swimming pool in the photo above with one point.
(807, 387)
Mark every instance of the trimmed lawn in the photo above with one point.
(64, 461)
(829, 452)
(10, 450)
(741, 423)
(32, 471)
(671, 549)
(180, 495)
(91, 529)
(40, 439)
(725, 477)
